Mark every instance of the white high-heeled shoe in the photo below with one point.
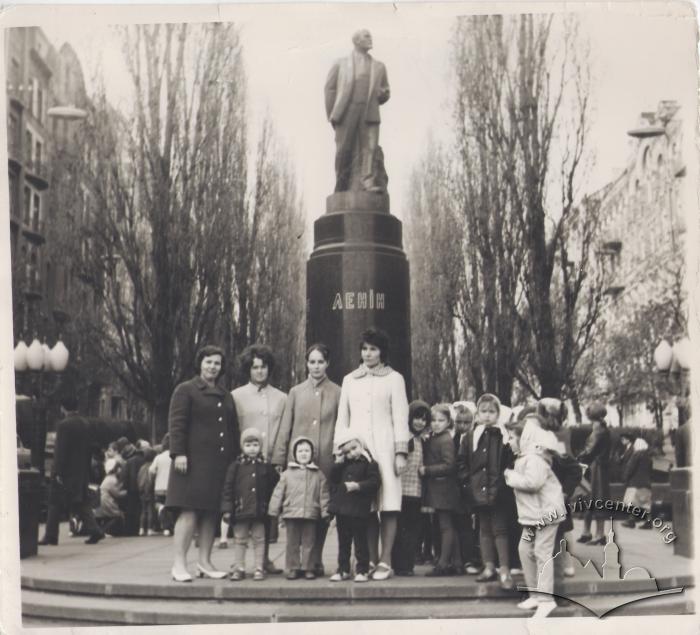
(180, 577)
(214, 575)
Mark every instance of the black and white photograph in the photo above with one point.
(349, 313)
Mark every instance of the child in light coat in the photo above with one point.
(301, 498)
(540, 501)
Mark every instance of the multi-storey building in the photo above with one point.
(643, 228)
(47, 197)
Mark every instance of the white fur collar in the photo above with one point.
(308, 466)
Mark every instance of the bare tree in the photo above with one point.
(530, 292)
(176, 221)
(435, 251)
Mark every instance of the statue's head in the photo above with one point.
(362, 40)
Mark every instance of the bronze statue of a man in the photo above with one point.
(356, 86)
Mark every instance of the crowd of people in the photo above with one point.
(463, 486)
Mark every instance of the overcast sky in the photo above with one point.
(636, 61)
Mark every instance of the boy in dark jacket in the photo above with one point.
(354, 483)
(244, 502)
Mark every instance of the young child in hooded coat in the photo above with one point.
(540, 501)
(301, 498)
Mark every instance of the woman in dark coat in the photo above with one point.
(596, 454)
(203, 442)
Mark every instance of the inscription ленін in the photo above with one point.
(351, 300)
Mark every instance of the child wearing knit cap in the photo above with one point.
(244, 502)
(483, 457)
(354, 483)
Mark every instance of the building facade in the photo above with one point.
(642, 241)
(48, 204)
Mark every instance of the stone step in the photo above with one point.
(76, 609)
(277, 588)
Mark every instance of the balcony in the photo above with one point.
(611, 248)
(37, 174)
(34, 232)
(32, 291)
(14, 153)
(17, 93)
(614, 290)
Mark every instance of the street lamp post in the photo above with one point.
(673, 364)
(40, 367)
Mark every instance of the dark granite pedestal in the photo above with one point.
(357, 277)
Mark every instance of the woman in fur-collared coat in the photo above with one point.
(373, 405)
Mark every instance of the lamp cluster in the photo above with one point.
(39, 357)
(673, 359)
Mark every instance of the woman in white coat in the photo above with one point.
(373, 404)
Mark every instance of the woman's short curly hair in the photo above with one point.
(250, 353)
(379, 338)
(207, 351)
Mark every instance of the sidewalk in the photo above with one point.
(147, 560)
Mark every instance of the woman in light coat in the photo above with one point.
(373, 404)
(311, 411)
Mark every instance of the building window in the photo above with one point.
(14, 135)
(28, 145)
(32, 269)
(14, 239)
(36, 211)
(14, 195)
(38, 147)
(27, 205)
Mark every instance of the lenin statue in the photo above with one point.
(356, 86)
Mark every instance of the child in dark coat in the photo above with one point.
(354, 483)
(244, 501)
(441, 491)
(483, 457)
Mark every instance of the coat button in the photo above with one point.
(221, 434)
(221, 418)
(315, 422)
(253, 473)
(218, 405)
(483, 489)
(222, 448)
(252, 489)
(316, 393)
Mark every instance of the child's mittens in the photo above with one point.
(352, 486)
(507, 475)
(226, 517)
